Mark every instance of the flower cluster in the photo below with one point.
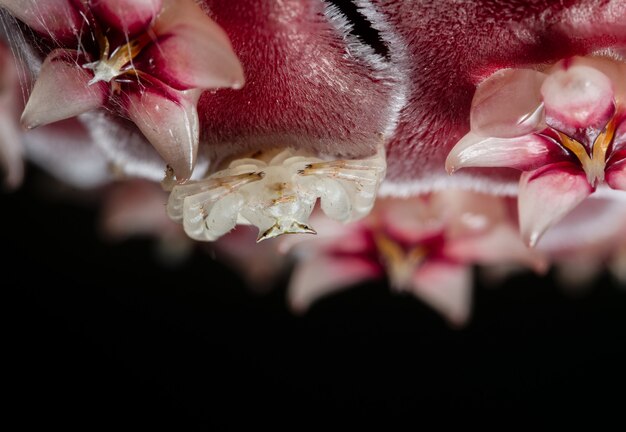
(146, 63)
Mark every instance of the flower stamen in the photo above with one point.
(595, 164)
(108, 68)
(400, 264)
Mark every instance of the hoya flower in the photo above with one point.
(424, 245)
(564, 129)
(144, 60)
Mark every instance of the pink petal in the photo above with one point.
(169, 120)
(319, 276)
(500, 245)
(615, 176)
(11, 151)
(613, 69)
(508, 104)
(578, 97)
(260, 264)
(58, 19)
(546, 195)
(446, 287)
(523, 153)
(135, 208)
(578, 273)
(62, 90)
(192, 51)
(128, 16)
(68, 152)
(11, 148)
(409, 220)
(592, 228)
(467, 213)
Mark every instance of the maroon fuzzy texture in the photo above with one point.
(302, 88)
(441, 48)
(454, 45)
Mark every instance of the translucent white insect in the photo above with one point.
(276, 192)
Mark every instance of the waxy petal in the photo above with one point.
(322, 275)
(58, 19)
(524, 153)
(68, 152)
(134, 208)
(578, 273)
(508, 104)
(578, 97)
(128, 16)
(192, 51)
(500, 245)
(615, 176)
(169, 120)
(546, 195)
(446, 287)
(11, 165)
(62, 90)
(614, 70)
(191, 60)
(593, 226)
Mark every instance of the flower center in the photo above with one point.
(119, 63)
(399, 263)
(594, 164)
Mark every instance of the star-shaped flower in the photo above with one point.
(564, 129)
(145, 60)
(424, 245)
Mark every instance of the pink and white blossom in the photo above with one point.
(564, 129)
(425, 246)
(147, 61)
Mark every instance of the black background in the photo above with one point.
(121, 340)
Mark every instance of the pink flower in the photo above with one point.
(564, 129)
(146, 60)
(425, 245)
(134, 208)
(587, 241)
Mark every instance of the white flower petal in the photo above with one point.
(319, 276)
(446, 287)
(170, 122)
(578, 97)
(523, 153)
(546, 195)
(508, 104)
(62, 90)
